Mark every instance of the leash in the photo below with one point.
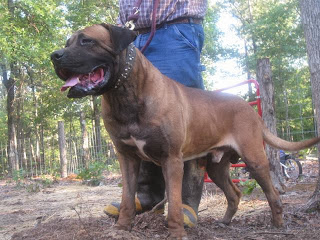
(153, 25)
(132, 19)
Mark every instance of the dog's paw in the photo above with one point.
(119, 234)
(177, 238)
(121, 227)
(223, 221)
(176, 234)
(277, 224)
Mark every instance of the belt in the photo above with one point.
(175, 21)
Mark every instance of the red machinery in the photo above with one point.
(257, 102)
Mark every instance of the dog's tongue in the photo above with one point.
(70, 83)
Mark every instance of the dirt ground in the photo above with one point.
(70, 210)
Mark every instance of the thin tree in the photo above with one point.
(310, 16)
(97, 127)
(10, 84)
(62, 150)
(264, 77)
(84, 140)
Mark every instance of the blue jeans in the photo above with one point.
(175, 50)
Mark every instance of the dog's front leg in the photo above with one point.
(173, 174)
(130, 169)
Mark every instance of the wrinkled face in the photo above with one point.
(87, 64)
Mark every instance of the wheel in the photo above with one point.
(292, 169)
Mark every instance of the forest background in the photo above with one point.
(31, 104)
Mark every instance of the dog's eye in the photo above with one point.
(86, 41)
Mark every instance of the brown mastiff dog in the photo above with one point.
(153, 118)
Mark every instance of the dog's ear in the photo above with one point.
(120, 37)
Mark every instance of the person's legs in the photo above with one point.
(150, 191)
(151, 186)
(175, 51)
(192, 185)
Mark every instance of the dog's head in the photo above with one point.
(89, 60)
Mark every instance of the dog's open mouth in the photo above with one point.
(86, 81)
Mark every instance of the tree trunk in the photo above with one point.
(62, 150)
(19, 123)
(35, 115)
(10, 87)
(12, 140)
(34, 165)
(97, 127)
(42, 158)
(264, 77)
(310, 15)
(24, 154)
(33, 169)
(112, 153)
(84, 141)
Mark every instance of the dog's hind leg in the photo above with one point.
(258, 166)
(219, 173)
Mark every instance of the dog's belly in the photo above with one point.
(228, 141)
(187, 158)
(152, 149)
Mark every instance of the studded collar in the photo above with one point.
(127, 69)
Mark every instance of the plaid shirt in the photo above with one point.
(168, 10)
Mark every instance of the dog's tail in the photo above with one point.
(279, 143)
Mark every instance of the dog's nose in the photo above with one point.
(57, 55)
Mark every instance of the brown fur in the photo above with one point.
(153, 118)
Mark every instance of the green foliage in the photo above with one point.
(249, 186)
(272, 29)
(3, 123)
(114, 166)
(31, 30)
(234, 173)
(33, 187)
(93, 174)
(84, 13)
(18, 176)
(212, 47)
(46, 181)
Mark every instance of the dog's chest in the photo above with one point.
(150, 144)
(140, 145)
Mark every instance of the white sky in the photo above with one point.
(228, 72)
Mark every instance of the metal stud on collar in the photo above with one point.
(131, 54)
